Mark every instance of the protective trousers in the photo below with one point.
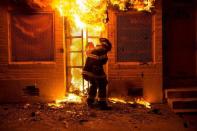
(99, 84)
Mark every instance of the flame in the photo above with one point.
(93, 13)
(77, 82)
(121, 4)
(71, 98)
(83, 13)
(117, 100)
(139, 5)
(139, 101)
(78, 22)
(90, 15)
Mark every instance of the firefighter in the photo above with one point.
(94, 73)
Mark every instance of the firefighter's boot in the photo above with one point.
(90, 102)
(103, 105)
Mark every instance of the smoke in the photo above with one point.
(3, 3)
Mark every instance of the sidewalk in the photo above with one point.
(78, 117)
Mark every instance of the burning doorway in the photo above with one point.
(88, 16)
(79, 41)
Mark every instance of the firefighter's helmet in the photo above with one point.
(105, 42)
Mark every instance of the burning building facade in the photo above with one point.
(44, 45)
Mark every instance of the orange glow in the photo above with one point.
(117, 100)
(143, 5)
(75, 59)
(89, 15)
(71, 98)
(83, 13)
(139, 101)
(93, 13)
(139, 5)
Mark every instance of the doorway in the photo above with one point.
(78, 43)
(179, 43)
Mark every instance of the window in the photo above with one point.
(134, 37)
(32, 37)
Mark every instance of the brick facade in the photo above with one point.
(49, 78)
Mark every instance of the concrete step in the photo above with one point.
(186, 92)
(183, 104)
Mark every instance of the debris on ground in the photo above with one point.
(78, 116)
(155, 111)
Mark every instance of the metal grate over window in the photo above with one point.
(134, 37)
(32, 37)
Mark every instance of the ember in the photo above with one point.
(71, 98)
(139, 101)
(139, 5)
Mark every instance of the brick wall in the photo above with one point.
(49, 78)
(126, 75)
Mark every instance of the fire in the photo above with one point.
(117, 100)
(90, 15)
(93, 13)
(77, 82)
(71, 98)
(83, 13)
(139, 5)
(139, 101)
